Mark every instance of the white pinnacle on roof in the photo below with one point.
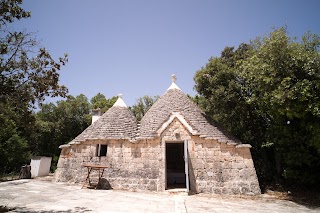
(173, 85)
(120, 102)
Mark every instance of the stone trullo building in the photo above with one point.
(174, 145)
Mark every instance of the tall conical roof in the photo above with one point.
(175, 101)
(117, 123)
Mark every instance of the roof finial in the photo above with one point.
(173, 85)
(173, 78)
(120, 101)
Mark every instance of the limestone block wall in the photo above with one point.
(220, 168)
(69, 165)
(134, 165)
(215, 167)
(130, 165)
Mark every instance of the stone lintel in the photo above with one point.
(75, 142)
(231, 143)
(209, 138)
(243, 146)
(144, 138)
(109, 138)
(133, 141)
(64, 146)
(139, 138)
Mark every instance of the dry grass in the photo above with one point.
(9, 177)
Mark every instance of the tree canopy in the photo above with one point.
(142, 105)
(60, 123)
(28, 74)
(100, 101)
(267, 93)
(10, 11)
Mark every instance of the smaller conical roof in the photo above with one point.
(116, 123)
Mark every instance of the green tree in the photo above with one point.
(142, 105)
(13, 148)
(267, 93)
(59, 124)
(100, 101)
(283, 79)
(11, 10)
(221, 88)
(28, 74)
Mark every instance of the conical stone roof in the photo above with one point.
(175, 101)
(117, 123)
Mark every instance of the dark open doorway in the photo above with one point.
(176, 177)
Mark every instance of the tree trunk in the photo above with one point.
(25, 172)
(279, 168)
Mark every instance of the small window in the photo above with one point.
(102, 150)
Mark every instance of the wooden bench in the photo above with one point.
(92, 167)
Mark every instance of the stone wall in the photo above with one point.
(130, 165)
(214, 167)
(222, 169)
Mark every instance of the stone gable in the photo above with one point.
(175, 131)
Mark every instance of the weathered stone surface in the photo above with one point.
(215, 163)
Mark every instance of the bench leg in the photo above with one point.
(87, 178)
(100, 177)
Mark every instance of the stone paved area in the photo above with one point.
(39, 196)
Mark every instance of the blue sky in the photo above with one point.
(133, 46)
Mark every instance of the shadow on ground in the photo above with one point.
(15, 183)
(27, 210)
(308, 197)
